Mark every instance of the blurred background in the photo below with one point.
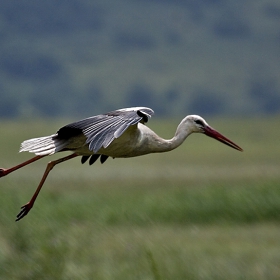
(211, 57)
(202, 211)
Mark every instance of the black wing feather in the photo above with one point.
(101, 130)
(93, 159)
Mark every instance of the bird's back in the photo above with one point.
(114, 134)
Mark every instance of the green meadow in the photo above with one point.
(203, 211)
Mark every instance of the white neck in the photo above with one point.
(159, 144)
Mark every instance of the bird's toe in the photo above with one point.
(24, 211)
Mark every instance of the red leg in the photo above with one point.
(4, 172)
(27, 207)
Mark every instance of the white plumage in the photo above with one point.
(40, 146)
(120, 133)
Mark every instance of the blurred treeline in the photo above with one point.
(81, 57)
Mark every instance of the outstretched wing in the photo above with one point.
(101, 130)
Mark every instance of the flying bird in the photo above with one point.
(118, 134)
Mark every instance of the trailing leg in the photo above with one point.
(4, 172)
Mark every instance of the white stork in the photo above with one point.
(118, 134)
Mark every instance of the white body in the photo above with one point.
(137, 140)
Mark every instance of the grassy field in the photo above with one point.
(203, 211)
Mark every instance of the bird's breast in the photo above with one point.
(135, 141)
(127, 145)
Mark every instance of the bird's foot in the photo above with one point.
(3, 172)
(24, 210)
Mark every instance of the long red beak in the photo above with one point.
(211, 132)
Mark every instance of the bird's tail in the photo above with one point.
(42, 146)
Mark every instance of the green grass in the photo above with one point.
(203, 211)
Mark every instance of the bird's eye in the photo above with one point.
(199, 122)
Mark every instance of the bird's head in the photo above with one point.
(197, 124)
